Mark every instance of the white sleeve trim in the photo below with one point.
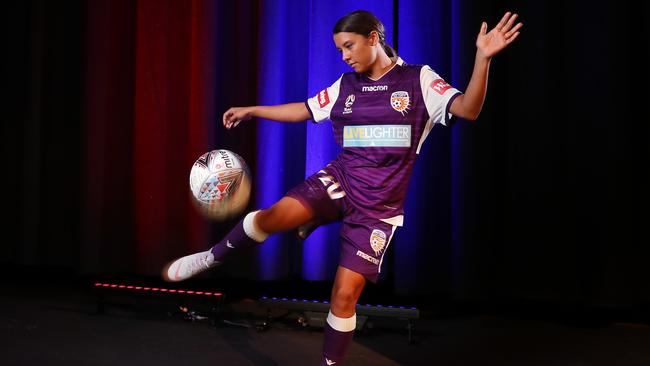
(321, 104)
(437, 94)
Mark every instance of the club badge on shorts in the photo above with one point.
(400, 100)
(377, 241)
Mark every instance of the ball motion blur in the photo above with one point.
(220, 184)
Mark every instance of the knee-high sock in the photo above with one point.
(243, 235)
(338, 336)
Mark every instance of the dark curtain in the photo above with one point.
(43, 132)
(554, 190)
(108, 102)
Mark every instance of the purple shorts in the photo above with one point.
(364, 240)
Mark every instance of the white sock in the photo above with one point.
(342, 324)
(252, 230)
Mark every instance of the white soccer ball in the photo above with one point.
(220, 184)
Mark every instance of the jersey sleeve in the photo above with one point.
(320, 106)
(438, 95)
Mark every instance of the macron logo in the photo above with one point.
(374, 88)
(367, 257)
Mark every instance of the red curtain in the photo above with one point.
(150, 63)
(169, 131)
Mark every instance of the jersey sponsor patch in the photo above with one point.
(377, 241)
(440, 86)
(377, 136)
(400, 100)
(323, 98)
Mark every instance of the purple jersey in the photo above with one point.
(381, 125)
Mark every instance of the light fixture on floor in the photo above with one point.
(314, 312)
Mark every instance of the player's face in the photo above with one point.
(356, 50)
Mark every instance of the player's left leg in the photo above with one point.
(286, 214)
(309, 203)
(342, 319)
(254, 228)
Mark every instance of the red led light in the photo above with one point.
(140, 288)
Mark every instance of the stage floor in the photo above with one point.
(42, 324)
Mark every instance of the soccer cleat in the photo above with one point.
(189, 266)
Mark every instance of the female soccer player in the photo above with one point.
(381, 113)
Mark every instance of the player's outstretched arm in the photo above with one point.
(469, 105)
(291, 112)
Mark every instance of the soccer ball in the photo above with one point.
(220, 184)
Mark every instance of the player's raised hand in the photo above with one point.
(234, 115)
(504, 33)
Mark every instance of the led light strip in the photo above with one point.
(265, 298)
(156, 289)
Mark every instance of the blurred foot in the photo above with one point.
(189, 266)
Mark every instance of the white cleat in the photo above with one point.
(189, 266)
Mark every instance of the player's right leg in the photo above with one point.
(342, 318)
(254, 228)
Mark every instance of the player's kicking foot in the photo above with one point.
(189, 266)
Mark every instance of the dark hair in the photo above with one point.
(364, 22)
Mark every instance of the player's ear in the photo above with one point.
(373, 38)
